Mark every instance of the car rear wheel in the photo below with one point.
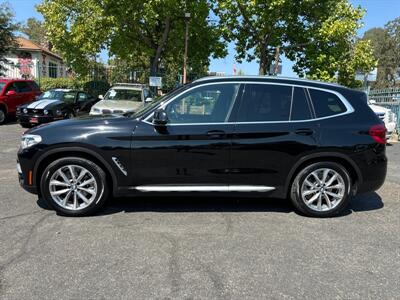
(3, 116)
(321, 189)
(74, 186)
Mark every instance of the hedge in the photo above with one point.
(93, 87)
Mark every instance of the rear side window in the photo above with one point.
(326, 104)
(300, 107)
(34, 86)
(265, 102)
(23, 86)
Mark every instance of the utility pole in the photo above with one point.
(277, 53)
(185, 57)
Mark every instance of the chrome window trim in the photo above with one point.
(349, 108)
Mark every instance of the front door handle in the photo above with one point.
(216, 134)
(304, 131)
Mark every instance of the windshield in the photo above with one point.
(2, 84)
(68, 97)
(122, 94)
(144, 110)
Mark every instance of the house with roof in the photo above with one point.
(30, 60)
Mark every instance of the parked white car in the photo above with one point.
(386, 115)
(122, 98)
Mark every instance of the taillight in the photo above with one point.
(378, 133)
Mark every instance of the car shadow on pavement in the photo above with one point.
(360, 203)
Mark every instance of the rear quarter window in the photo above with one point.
(326, 104)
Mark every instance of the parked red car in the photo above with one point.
(15, 92)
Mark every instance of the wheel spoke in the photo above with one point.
(59, 192)
(87, 182)
(63, 176)
(75, 200)
(331, 180)
(309, 192)
(81, 196)
(336, 186)
(315, 175)
(313, 198)
(81, 175)
(59, 183)
(308, 183)
(90, 191)
(66, 198)
(319, 205)
(327, 200)
(333, 194)
(71, 170)
(325, 175)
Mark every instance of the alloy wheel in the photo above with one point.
(323, 189)
(73, 187)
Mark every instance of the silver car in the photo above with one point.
(122, 98)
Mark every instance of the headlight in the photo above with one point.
(46, 112)
(25, 110)
(58, 112)
(28, 140)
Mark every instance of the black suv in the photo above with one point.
(314, 142)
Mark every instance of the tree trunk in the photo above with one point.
(263, 69)
(155, 60)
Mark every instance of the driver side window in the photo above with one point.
(206, 104)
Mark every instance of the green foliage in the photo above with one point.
(7, 27)
(47, 83)
(319, 36)
(93, 87)
(386, 45)
(35, 30)
(131, 30)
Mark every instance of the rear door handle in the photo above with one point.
(304, 131)
(216, 134)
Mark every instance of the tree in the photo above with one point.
(7, 39)
(35, 30)
(130, 29)
(386, 45)
(317, 35)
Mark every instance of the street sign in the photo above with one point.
(155, 81)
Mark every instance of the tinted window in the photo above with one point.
(210, 103)
(82, 97)
(326, 104)
(34, 86)
(265, 102)
(22, 86)
(69, 97)
(300, 107)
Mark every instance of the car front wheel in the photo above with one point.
(74, 186)
(321, 189)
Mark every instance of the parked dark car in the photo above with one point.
(315, 143)
(56, 104)
(15, 92)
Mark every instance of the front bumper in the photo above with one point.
(24, 181)
(37, 119)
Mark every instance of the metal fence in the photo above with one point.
(388, 98)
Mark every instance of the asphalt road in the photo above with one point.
(198, 248)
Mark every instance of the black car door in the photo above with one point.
(274, 127)
(192, 152)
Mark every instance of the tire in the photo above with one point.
(3, 116)
(25, 125)
(55, 189)
(70, 115)
(309, 197)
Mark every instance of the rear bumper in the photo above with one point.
(374, 175)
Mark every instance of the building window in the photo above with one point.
(52, 70)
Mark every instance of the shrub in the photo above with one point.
(93, 87)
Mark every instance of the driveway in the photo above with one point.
(184, 248)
